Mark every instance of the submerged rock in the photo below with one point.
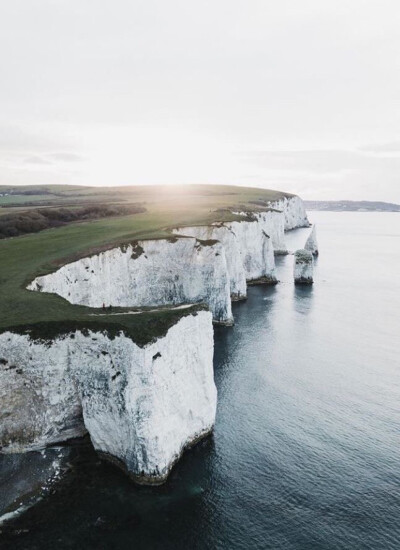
(303, 267)
(311, 243)
(142, 406)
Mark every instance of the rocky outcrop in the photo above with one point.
(303, 267)
(256, 251)
(312, 243)
(39, 400)
(163, 272)
(295, 214)
(224, 234)
(142, 406)
(248, 250)
(273, 223)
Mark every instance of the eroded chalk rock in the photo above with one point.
(163, 272)
(228, 238)
(256, 251)
(248, 250)
(294, 211)
(142, 406)
(39, 400)
(303, 267)
(273, 223)
(312, 243)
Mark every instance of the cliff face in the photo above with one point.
(256, 251)
(228, 239)
(273, 223)
(248, 250)
(39, 400)
(148, 273)
(141, 406)
(294, 212)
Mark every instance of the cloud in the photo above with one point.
(35, 159)
(319, 161)
(36, 138)
(352, 174)
(390, 147)
(67, 157)
(52, 158)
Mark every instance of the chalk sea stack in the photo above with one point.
(312, 243)
(303, 267)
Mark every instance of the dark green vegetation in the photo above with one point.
(23, 258)
(19, 223)
(141, 328)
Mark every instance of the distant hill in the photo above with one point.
(352, 206)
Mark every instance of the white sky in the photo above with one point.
(298, 95)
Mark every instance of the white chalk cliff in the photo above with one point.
(312, 243)
(248, 250)
(256, 251)
(273, 223)
(163, 272)
(224, 234)
(142, 406)
(211, 265)
(303, 267)
(294, 212)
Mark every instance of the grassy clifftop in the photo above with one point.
(23, 258)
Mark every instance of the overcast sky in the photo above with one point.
(298, 95)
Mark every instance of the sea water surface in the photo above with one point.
(305, 453)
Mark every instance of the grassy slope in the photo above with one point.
(22, 258)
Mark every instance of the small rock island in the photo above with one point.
(303, 267)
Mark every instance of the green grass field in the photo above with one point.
(19, 200)
(23, 258)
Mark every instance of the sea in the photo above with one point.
(306, 449)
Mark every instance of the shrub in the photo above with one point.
(32, 221)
